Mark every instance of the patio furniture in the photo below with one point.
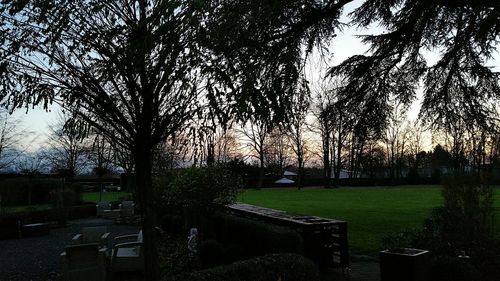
(35, 229)
(127, 208)
(84, 262)
(93, 234)
(127, 256)
(101, 207)
(111, 214)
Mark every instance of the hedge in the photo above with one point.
(273, 267)
(256, 237)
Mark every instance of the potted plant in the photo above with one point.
(404, 264)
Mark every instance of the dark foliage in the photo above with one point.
(452, 269)
(256, 237)
(463, 226)
(285, 267)
(458, 87)
(19, 191)
(203, 190)
(212, 253)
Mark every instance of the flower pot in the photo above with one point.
(404, 264)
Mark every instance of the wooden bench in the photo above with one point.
(35, 229)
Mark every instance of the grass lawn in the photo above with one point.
(371, 213)
(106, 196)
(18, 209)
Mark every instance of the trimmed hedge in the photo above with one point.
(75, 212)
(212, 253)
(82, 211)
(17, 191)
(9, 228)
(284, 267)
(256, 237)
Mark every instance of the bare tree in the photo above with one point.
(65, 150)
(100, 156)
(278, 150)
(415, 146)
(395, 140)
(12, 138)
(296, 132)
(256, 133)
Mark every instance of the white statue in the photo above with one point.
(193, 241)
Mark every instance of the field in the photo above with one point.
(106, 196)
(371, 213)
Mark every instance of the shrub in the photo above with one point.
(82, 211)
(464, 224)
(205, 189)
(9, 227)
(257, 238)
(20, 190)
(284, 267)
(212, 253)
(198, 193)
(452, 269)
(62, 201)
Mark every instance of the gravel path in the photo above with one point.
(37, 258)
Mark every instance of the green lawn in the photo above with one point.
(18, 209)
(106, 196)
(371, 213)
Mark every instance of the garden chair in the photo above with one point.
(127, 208)
(84, 262)
(93, 234)
(127, 256)
(101, 207)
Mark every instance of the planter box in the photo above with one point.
(404, 264)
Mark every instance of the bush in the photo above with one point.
(284, 267)
(463, 225)
(82, 211)
(9, 227)
(62, 201)
(19, 191)
(452, 269)
(257, 238)
(198, 193)
(212, 253)
(205, 189)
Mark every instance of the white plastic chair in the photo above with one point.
(101, 207)
(84, 262)
(127, 208)
(93, 234)
(127, 256)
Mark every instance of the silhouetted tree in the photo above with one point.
(296, 131)
(256, 134)
(458, 85)
(12, 136)
(65, 151)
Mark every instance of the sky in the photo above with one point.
(343, 46)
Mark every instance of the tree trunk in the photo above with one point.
(260, 181)
(327, 170)
(301, 172)
(143, 160)
(339, 160)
